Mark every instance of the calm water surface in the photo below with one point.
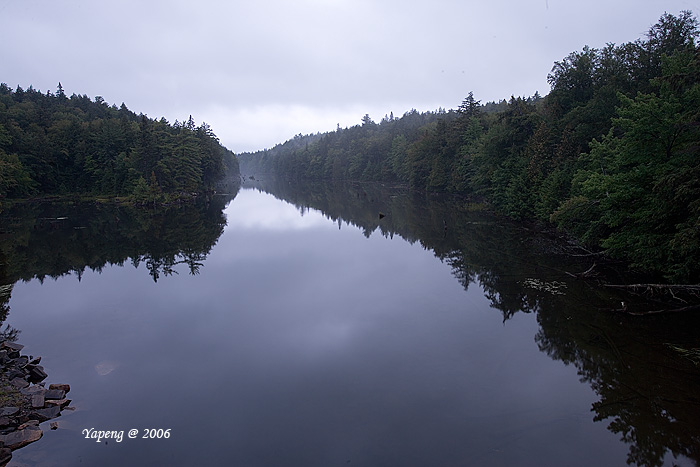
(304, 339)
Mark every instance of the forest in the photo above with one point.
(52, 144)
(610, 155)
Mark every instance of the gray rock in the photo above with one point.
(59, 402)
(21, 361)
(12, 345)
(36, 373)
(14, 372)
(46, 414)
(5, 455)
(19, 383)
(5, 421)
(55, 394)
(28, 423)
(38, 401)
(31, 390)
(6, 411)
(63, 387)
(20, 438)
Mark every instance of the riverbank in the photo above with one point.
(25, 402)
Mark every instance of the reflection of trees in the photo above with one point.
(51, 240)
(647, 391)
(5, 289)
(477, 245)
(9, 333)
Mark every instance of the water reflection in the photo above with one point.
(648, 391)
(264, 213)
(319, 345)
(46, 239)
(54, 239)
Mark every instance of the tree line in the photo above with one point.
(52, 144)
(610, 154)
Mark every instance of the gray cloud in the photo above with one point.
(260, 72)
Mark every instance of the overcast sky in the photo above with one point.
(261, 71)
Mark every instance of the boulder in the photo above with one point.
(55, 394)
(46, 414)
(12, 346)
(5, 455)
(59, 402)
(28, 423)
(38, 401)
(20, 361)
(20, 438)
(36, 373)
(31, 390)
(62, 387)
(7, 411)
(14, 372)
(19, 383)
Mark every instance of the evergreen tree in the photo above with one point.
(56, 145)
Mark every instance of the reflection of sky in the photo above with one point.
(254, 212)
(302, 346)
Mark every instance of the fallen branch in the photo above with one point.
(587, 255)
(582, 275)
(656, 312)
(656, 286)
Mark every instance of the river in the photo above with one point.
(336, 325)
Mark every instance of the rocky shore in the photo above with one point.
(25, 402)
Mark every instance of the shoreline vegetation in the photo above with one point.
(54, 145)
(609, 156)
(225, 187)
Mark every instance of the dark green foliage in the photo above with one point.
(642, 178)
(52, 144)
(610, 154)
(371, 151)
